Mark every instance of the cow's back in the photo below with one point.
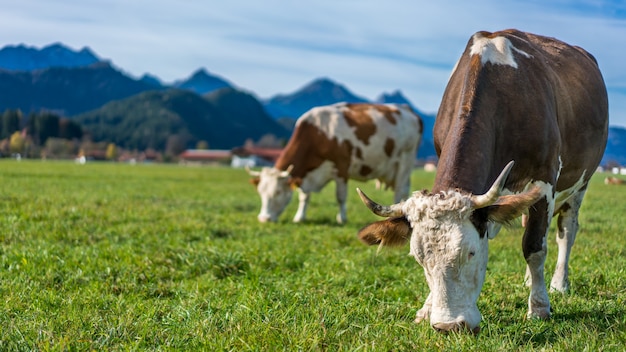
(377, 138)
(362, 141)
(523, 97)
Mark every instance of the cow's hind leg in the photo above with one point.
(402, 184)
(567, 226)
(341, 193)
(535, 251)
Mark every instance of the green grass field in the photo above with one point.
(164, 257)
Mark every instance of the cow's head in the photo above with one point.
(275, 188)
(449, 234)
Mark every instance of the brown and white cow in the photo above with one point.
(610, 180)
(513, 96)
(340, 142)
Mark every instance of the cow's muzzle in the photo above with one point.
(455, 327)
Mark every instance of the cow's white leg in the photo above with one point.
(424, 312)
(303, 203)
(341, 192)
(535, 251)
(566, 234)
(402, 185)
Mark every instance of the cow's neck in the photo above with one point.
(297, 152)
(468, 158)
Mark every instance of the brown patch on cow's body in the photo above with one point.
(389, 113)
(365, 170)
(357, 116)
(491, 114)
(359, 153)
(309, 148)
(389, 146)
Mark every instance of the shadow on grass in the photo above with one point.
(322, 221)
(600, 318)
(562, 326)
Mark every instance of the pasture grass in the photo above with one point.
(164, 257)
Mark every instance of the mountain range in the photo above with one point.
(24, 58)
(145, 112)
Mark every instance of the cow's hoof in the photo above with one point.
(422, 314)
(543, 314)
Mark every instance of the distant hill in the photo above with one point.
(246, 115)
(202, 82)
(615, 151)
(24, 58)
(66, 91)
(152, 80)
(322, 91)
(225, 119)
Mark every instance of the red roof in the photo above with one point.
(205, 154)
(266, 153)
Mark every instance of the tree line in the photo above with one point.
(37, 133)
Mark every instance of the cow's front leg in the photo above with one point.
(303, 203)
(535, 251)
(567, 226)
(341, 193)
(424, 312)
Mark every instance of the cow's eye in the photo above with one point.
(471, 255)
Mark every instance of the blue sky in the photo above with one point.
(277, 46)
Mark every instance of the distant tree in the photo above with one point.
(43, 126)
(69, 129)
(270, 141)
(111, 153)
(17, 143)
(11, 120)
(176, 144)
(202, 145)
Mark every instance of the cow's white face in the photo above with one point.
(275, 191)
(447, 244)
(454, 257)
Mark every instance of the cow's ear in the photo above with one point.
(295, 182)
(392, 232)
(255, 181)
(507, 208)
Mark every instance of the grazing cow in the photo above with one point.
(613, 181)
(513, 96)
(340, 142)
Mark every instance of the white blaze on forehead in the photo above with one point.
(497, 50)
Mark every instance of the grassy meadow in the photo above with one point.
(164, 257)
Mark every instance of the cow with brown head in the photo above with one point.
(336, 143)
(513, 96)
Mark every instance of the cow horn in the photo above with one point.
(287, 172)
(490, 197)
(252, 173)
(380, 210)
